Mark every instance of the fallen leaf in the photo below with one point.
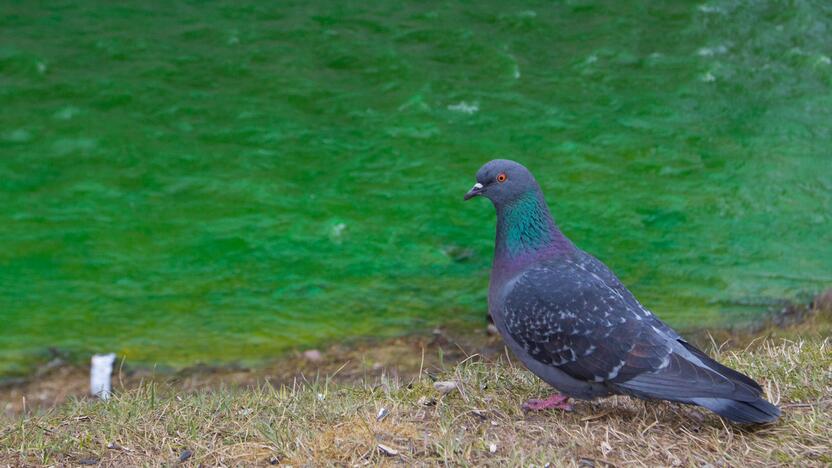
(389, 451)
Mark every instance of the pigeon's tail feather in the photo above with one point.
(681, 380)
(721, 369)
(727, 393)
(758, 411)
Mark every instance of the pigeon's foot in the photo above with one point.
(555, 401)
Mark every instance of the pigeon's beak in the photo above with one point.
(475, 190)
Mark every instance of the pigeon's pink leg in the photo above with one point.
(556, 401)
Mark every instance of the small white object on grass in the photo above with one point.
(100, 374)
(382, 413)
(313, 355)
(445, 387)
(389, 451)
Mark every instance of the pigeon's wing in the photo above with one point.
(566, 314)
(566, 317)
(597, 268)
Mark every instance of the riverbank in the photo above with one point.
(390, 420)
(380, 403)
(406, 357)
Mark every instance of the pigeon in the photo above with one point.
(572, 322)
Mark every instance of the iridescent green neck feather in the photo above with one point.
(525, 226)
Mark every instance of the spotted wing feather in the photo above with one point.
(573, 314)
(565, 316)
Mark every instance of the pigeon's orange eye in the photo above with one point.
(502, 177)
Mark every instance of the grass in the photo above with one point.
(324, 422)
(378, 405)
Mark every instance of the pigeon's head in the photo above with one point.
(502, 181)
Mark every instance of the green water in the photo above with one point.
(222, 181)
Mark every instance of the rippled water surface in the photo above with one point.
(218, 181)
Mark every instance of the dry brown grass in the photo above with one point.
(321, 422)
